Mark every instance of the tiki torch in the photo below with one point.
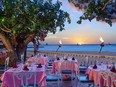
(102, 44)
(60, 44)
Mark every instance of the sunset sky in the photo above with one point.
(85, 33)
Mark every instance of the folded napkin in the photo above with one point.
(58, 58)
(67, 77)
(39, 66)
(73, 58)
(65, 59)
(44, 55)
(95, 66)
(113, 69)
(25, 68)
(15, 66)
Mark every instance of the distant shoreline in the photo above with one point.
(31, 45)
(106, 53)
(93, 49)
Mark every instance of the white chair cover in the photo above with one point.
(113, 78)
(19, 76)
(104, 76)
(7, 63)
(29, 76)
(22, 58)
(67, 65)
(24, 77)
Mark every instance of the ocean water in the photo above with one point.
(76, 48)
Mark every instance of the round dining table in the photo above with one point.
(94, 74)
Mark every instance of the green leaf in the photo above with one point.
(25, 17)
(94, 9)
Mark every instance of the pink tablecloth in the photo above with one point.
(43, 61)
(3, 55)
(72, 65)
(93, 74)
(7, 77)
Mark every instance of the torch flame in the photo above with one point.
(60, 42)
(101, 39)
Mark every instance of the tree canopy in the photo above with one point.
(20, 18)
(23, 21)
(101, 10)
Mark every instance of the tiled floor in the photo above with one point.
(68, 83)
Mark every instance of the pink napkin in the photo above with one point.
(73, 58)
(58, 58)
(65, 58)
(113, 69)
(67, 76)
(15, 66)
(39, 66)
(95, 66)
(25, 68)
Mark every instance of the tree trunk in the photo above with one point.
(25, 53)
(6, 42)
(11, 53)
(20, 47)
(35, 48)
(21, 50)
(35, 43)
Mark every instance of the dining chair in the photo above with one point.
(24, 78)
(84, 67)
(1, 71)
(82, 79)
(49, 67)
(103, 77)
(22, 58)
(4, 68)
(53, 79)
(28, 77)
(6, 63)
(67, 69)
(19, 76)
(113, 79)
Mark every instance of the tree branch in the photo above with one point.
(5, 30)
(25, 16)
(28, 39)
(106, 4)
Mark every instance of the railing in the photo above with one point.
(83, 59)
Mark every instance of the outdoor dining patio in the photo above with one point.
(30, 55)
(60, 69)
